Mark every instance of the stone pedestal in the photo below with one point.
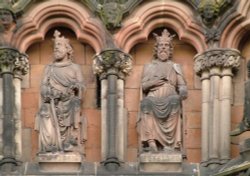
(161, 162)
(60, 162)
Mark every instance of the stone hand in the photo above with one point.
(152, 84)
(183, 92)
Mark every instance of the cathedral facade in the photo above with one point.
(97, 124)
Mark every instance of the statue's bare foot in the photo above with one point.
(152, 146)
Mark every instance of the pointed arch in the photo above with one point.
(44, 16)
(152, 15)
(238, 26)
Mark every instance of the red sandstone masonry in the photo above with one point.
(46, 51)
(29, 100)
(89, 77)
(193, 138)
(29, 117)
(234, 150)
(79, 52)
(132, 154)
(136, 28)
(132, 99)
(132, 119)
(34, 54)
(132, 138)
(193, 155)
(193, 119)
(144, 53)
(193, 102)
(89, 53)
(89, 100)
(34, 149)
(134, 79)
(237, 114)
(36, 73)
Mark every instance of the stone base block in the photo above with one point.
(161, 162)
(59, 162)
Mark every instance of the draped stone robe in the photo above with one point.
(59, 114)
(164, 87)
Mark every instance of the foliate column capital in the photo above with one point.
(21, 65)
(13, 62)
(220, 57)
(112, 61)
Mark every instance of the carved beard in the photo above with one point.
(163, 55)
(59, 55)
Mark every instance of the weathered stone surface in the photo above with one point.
(112, 65)
(111, 12)
(160, 162)
(163, 89)
(26, 146)
(112, 61)
(220, 57)
(60, 162)
(58, 121)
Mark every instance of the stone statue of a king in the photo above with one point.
(59, 120)
(164, 88)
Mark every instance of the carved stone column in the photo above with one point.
(12, 64)
(21, 69)
(216, 67)
(112, 65)
(1, 118)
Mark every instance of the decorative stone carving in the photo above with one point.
(164, 88)
(212, 34)
(12, 61)
(113, 65)
(210, 9)
(214, 16)
(21, 65)
(111, 14)
(112, 61)
(216, 68)
(59, 121)
(17, 6)
(110, 11)
(6, 18)
(222, 57)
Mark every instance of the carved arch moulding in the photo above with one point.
(39, 20)
(152, 15)
(237, 28)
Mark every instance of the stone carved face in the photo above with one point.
(209, 12)
(6, 17)
(60, 50)
(163, 50)
(112, 13)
